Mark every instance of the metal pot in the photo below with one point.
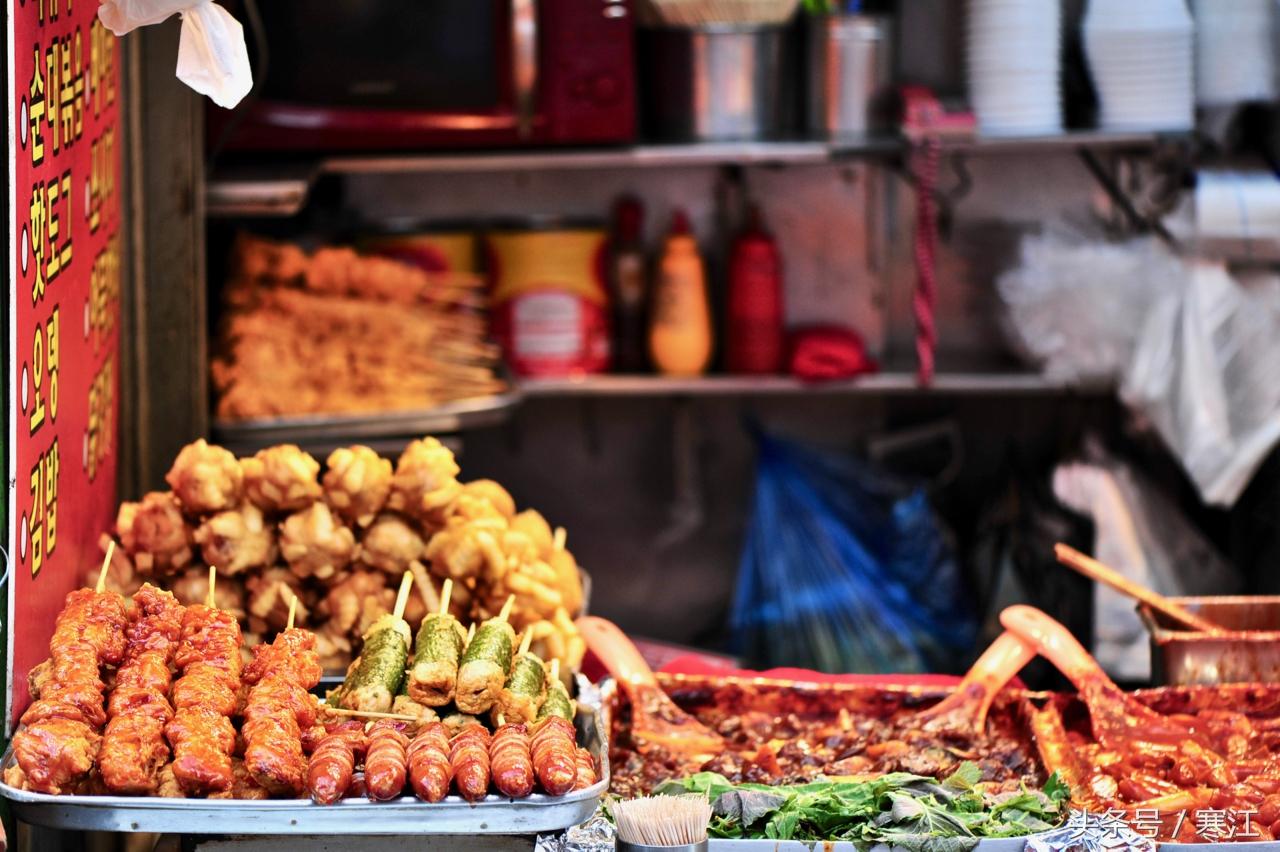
(850, 69)
(713, 83)
(1247, 651)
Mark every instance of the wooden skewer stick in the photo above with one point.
(366, 714)
(213, 578)
(402, 599)
(446, 592)
(526, 641)
(506, 608)
(501, 720)
(555, 670)
(471, 632)
(106, 564)
(293, 610)
(559, 541)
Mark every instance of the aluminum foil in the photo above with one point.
(1086, 832)
(594, 835)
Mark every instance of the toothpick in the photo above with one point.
(502, 720)
(471, 632)
(213, 578)
(293, 609)
(402, 599)
(366, 714)
(106, 563)
(526, 641)
(506, 608)
(555, 670)
(446, 592)
(559, 541)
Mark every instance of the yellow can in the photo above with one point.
(549, 297)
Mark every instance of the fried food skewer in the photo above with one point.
(376, 675)
(486, 663)
(436, 655)
(134, 749)
(201, 733)
(279, 708)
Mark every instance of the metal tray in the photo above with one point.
(325, 428)
(404, 816)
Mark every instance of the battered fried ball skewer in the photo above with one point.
(134, 749)
(204, 698)
(279, 708)
(58, 745)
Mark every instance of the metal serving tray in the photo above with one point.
(324, 429)
(404, 816)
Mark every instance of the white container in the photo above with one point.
(1235, 51)
(1140, 54)
(1013, 50)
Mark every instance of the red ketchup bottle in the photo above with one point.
(755, 339)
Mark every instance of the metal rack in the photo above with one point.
(271, 189)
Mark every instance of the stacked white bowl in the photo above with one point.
(1235, 51)
(1141, 58)
(1014, 51)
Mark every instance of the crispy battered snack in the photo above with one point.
(205, 478)
(237, 540)
(193, 587)
(466, 549)
(391, 544)
(270, 595)
(425, 481)
(357, 483)
(315, 543)
(154, 533)
(281, 478)
(357, 601)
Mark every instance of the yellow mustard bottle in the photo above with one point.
(680, 326)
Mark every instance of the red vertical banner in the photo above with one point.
(64, 272)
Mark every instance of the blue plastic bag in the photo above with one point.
(845, 570)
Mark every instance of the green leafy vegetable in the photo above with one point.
(905, 811)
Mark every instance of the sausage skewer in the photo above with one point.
(204, 698)
(59, 743)
(430, 771)
(555, 755)
(510, 761)
(486, 663)
(333, 763)
(386, 761)
(586, 776)
(469, 759)
(134, 749)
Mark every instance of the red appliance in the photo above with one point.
(380, 74)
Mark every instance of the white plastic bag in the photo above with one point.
(1205, 373)
(1144, 537)
(212, 56)
(1075, 305)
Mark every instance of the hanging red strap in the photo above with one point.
(924, 302)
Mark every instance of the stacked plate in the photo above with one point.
(1141, 57)
(1014, 61)
(1235, 51)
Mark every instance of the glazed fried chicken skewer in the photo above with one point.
(279, 708)
(204, 698)
(133, 747)
(59, 744)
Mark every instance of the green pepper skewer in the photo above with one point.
(486, 663)
(558, 702)
(376, 676)
(526, 686)
(436, 654)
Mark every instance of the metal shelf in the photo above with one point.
(281, 189)
(875, 384)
